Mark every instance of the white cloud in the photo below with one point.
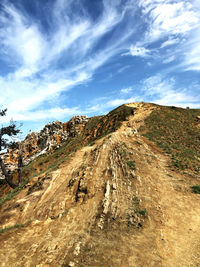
(33, 93)
(120, 101)
(164, 91)
(191, 56)
(137, 51)
(157, 85)
(126, 90)
(73, 40)
(167, 17)
(35, 56)
(169, 59)
(179, 99)
(21, 39)
(175, 18)
(104, 104)
(53, 113)
(177, 21)
(122, 69)
(169, 42)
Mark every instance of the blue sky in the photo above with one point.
(60, 58)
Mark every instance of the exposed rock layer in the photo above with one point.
(113, 203)
(49, 138)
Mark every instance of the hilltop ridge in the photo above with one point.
(117, 193)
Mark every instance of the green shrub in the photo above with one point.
(196, 189)
(2, 230)
(131, 165)
(14, 192)
(142, 212)
(71, 182)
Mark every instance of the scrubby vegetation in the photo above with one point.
(135, 216)
(177, 132)
(14, 192)
(71, 182)
(97, 127)
(196, 189)
(131, 165)
(38, 185)
(2, 230)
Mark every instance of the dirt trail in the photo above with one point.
(90, 211)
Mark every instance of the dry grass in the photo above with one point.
(176, 131)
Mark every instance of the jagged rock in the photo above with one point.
(49, 138)
(75, 125)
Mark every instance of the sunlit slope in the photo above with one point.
(110, 199)
(177, 132)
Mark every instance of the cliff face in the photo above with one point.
(48, 139)
(116, 201)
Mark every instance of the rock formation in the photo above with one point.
(48, 139)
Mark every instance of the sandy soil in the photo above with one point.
(96, 221)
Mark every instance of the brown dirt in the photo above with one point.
(87, 213)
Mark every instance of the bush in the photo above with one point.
(131, 164)
(196, 189)
(71, 182)
(142, 212)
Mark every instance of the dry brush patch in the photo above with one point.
(176, 131)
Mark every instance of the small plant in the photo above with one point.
(122, 152)
(196, 189)
(71, 182)
(131, 165)
(35, 187)
(138, 143)
(169, 175)
(2, 230)
(91, 143)
(135, 215)
(142, 212)
(135, 201)
(14, 192)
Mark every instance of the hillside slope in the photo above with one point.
(118, 201)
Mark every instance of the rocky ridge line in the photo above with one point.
(48, 139)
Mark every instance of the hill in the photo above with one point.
(117, 190)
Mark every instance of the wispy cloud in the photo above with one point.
(103, 105)
(122, 69)
(157, 85)
(43, 65)
(191, 59)
(126, 90)
(164, 91)
(169, 59)
(169, 17)
(139, 51)
(120, 101)
(169, 42)
(170, 23)
(42, 58)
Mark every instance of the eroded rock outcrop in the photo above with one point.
(48, 139)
